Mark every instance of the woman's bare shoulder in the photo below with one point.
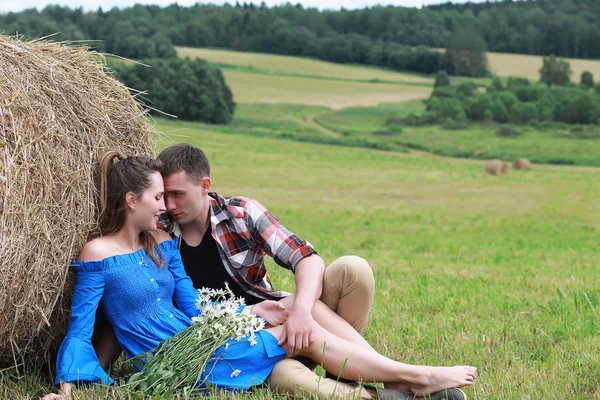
(160, 236)
(96, 250)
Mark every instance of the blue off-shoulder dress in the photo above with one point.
(146, 305)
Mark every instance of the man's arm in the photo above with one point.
(298, 255)
(309, 285)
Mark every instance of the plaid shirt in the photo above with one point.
(245, 231)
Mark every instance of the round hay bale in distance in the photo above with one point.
(497, 167)
(522, 163)
(59, 110)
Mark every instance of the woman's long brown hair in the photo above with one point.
(119, 176)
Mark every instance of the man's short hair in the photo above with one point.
(182, 156)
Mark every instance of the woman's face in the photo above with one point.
(149, 204)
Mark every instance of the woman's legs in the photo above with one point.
(332, 322)
(361, 363)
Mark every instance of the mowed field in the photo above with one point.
(470, 269)
(300, 66)
(262, 78)
(501, 64)
(504, 64)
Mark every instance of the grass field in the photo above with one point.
(550, 145)
(495, 272)
(264, 78)
(501, 64)
(260, 88)
(301, 66)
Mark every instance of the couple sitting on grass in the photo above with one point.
(145, 279)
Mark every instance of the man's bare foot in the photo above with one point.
(436, 379)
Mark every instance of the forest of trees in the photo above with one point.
(396, 37)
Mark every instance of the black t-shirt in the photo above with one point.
(205, 268)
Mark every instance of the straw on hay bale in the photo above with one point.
(522, 163)
(497, 167)
(59, 110)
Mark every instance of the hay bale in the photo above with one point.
(497, 167)
(58, 111)
(522, 163)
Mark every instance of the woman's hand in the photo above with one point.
(54, 396)
(64, 393)
(273, 312)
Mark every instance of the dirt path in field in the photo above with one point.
(309, 120)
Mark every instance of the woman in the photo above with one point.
(134, 272)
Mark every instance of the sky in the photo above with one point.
(18, 5)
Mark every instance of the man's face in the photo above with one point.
(186, 200)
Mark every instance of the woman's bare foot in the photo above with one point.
(396, 386)
(436, 379)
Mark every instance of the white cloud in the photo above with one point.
(18, 5)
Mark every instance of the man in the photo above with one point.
(227, 239)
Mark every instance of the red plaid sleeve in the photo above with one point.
(286, 248)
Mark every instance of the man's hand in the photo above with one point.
(273, 312)
(297, 331)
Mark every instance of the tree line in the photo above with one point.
(519, 101)
(395, 37)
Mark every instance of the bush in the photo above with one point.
(577, 107)
(393, 129)
(394, 120)
(488, 115)
(429, 118)
(508, 131)
(475, 107)
(190, 89)
(508, 99)
(412, 119)
(499, 112)
(523, 113)
(444, 91)
(496, 86)
(447, 108)
(441, 79)
(467, 89)
(587, 80)
(579, 132)
(452, 125)
(526, 93)
(515, 82)
(555, 72)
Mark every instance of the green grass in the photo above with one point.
(500, 273)
(284, 121)
(363, 121)
(555, 145)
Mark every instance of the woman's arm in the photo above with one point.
(77, 361)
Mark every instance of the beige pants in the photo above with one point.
(348, 289)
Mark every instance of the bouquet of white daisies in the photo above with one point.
(178, 362)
